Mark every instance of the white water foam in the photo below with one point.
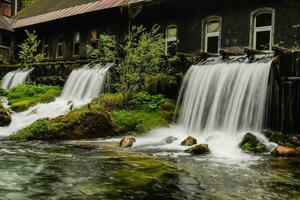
(14, 78)
(219, 104)
(82, 86)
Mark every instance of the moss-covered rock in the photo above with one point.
(189, 141)
(289, 140)
(285, 151)
(5, 117)
(251, 144)
(91, 121)
(199, 149)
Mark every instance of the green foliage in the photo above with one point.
(136, 121)
(147, 102)
(3, 60)
(24, 3)
(106, 53)
(142, 55)
(28, 49)
(3, 92)
(24, 96)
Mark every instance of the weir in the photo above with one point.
(82, 86)
(14, 78)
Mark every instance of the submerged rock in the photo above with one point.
(251, 144)
(169, 140)
(127, 142)
(199, 149)
(189, 141)
(5, 117)
(286, 151)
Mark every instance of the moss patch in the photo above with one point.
(24, 96)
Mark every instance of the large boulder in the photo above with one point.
(251, 144)
(286, 151)
(127, 142)
(199, 149)
(5, 117)
(189, 141)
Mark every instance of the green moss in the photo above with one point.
(251, 144)
(24, 96)
(3, 92)
(137, 121)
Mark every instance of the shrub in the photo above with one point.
(3, 92)
(147, 102)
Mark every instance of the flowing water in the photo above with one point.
(14, 78)
(219, 103)
(101, 171)
(82, 86)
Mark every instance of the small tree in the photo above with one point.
(142, 55)
(106, 53)
(29, 49)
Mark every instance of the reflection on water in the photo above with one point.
(100, 171)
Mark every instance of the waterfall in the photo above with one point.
(224, 97)
(14, 78)
(82, 86)
(85, 83)
(219, 103)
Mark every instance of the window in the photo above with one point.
(212, 29)
(46, 47)
(6, 39)
(262, 29)
(60, 48)
(171, 40)
(76, 43)
(94, 39)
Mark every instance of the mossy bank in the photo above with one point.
(105, 116)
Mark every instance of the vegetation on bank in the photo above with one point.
(104, 116)
(24, 96)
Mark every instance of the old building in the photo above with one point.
(6, 31)
(66, 27)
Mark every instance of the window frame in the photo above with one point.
(254, 29)
(170, 39)
(46, 45)
(206, 35)
(75, 42)
(62, 44)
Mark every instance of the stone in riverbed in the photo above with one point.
(189, 141)
(127, 142)
(199, 149)
(251, 144)
(169, 140)
(5, 117)
(286, 151)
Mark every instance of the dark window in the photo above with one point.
(264, 19)
(60, 48)
(46, 47)
(263, 40)
(213, 44)
(6, 39)
(76, 43)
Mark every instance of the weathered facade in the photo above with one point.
(66, 28)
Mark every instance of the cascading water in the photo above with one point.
(14, 78)
(82, 86)
(219, 103)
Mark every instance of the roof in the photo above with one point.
(6, 23)
(41, 11)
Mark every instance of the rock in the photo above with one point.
(199, 149)
(5, 117)
(169, 140)
(251, 144)
(286, 151)
(127, 142)
(189, 141)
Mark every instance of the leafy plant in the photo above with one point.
(147, 102)
(106, 53)
(28, 49)
(142, 55)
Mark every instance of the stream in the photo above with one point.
(101, 170)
